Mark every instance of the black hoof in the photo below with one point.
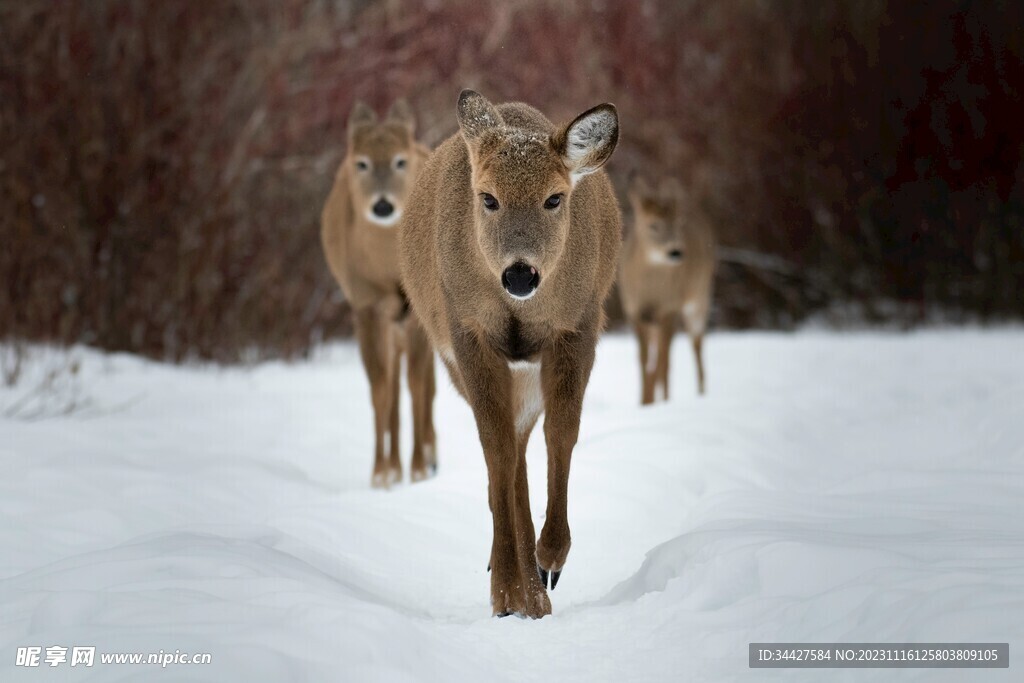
(433, 468)
(543, 576)
(488, 566)
(554, 578)
(502, 615)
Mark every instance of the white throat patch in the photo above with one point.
(385, 221)
(521, 298)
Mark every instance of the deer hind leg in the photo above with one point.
(430, 437)
(698, 340)
(421, 375)
(643, 336)
(373, 350)
(665, 331)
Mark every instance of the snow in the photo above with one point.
(855, 487)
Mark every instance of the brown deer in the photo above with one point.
(666, 271)
(360, 241)
(508, 249)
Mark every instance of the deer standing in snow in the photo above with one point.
(666, 272)
(360, 241)
(508, 249)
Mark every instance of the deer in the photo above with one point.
(666, 273)
(508, 249)
(360, 242)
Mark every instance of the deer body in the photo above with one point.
(360, 244)
(508, 249)
(665, 274)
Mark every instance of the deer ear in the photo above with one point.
(637, 187)
(361, 115)
(671, 188)
(401, 113)
(588, 142)
(476, 115)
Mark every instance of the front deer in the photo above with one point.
(361, 246)
(668, 264)
(508, 249)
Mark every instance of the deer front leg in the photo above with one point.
(536, 594)
(421, 381)
(373, 350)
(487, 382)
(565, 371)
(695, 316)
(394, 461)
(643, 337)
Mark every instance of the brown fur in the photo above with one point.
(656, 291)
(453, 252)
(363, 256)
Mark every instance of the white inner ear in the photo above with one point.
(585, 136)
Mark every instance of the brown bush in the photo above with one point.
(163, 164)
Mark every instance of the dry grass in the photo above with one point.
(163, 164)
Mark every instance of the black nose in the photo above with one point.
(676, 255)
(520, 279)
(382, 208)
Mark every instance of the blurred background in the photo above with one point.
(163, 164)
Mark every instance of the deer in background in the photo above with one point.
(666, 272)
(360, 241)
(508, 249)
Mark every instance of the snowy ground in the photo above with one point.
(831, 487)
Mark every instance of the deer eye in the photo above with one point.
(362, 165)
(490, 203)
(400, 163)
(553, 201)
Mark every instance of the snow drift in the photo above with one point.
(830, 487)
